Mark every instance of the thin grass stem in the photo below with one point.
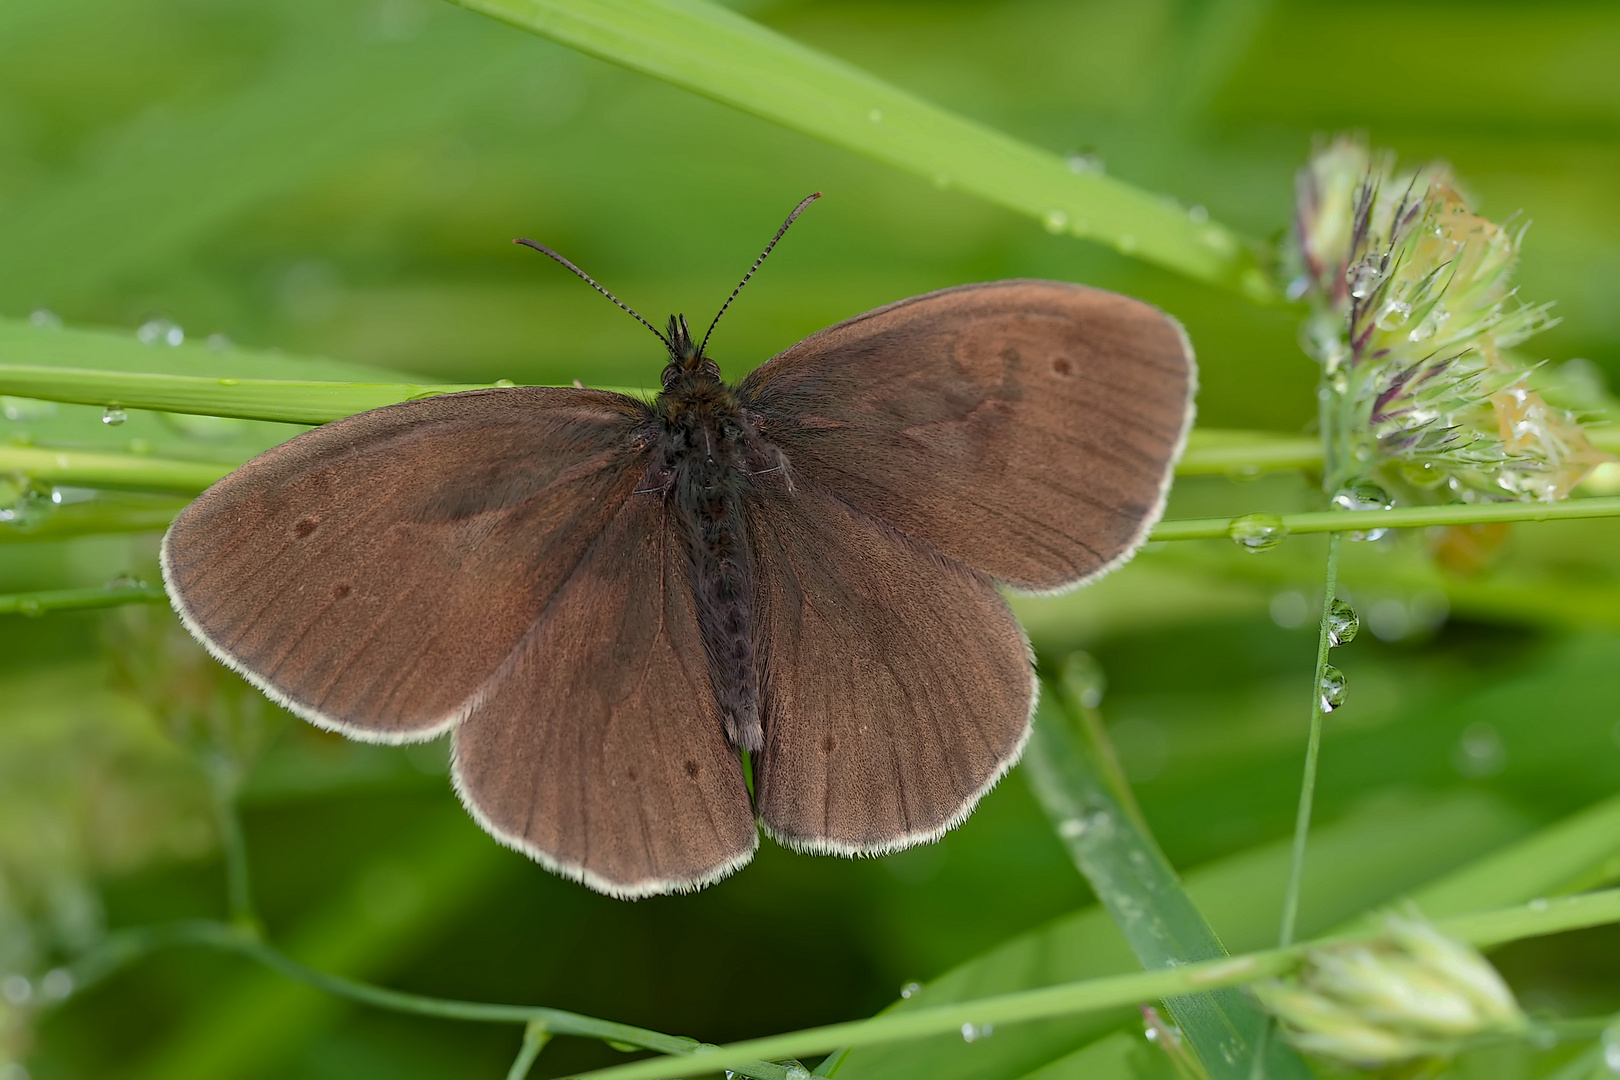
(1483, 929)
(39, 603)
(1313, 748)
(125, 947)
(535, 1037)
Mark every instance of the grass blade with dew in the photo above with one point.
(1070, 770)
(710, 50)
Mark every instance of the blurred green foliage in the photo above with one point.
(342, 178)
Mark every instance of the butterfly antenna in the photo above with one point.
(583, 276)
(791, 218)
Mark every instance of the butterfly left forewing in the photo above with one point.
(372, 574)
(897, 685)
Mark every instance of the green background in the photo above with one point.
(343, 179)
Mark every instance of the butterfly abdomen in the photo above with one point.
(707, 456)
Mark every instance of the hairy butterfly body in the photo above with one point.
(606, 600)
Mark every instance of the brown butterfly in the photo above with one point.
(606, 600)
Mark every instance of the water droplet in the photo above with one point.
(28, 509)
(1363, 277)
(1298, 287)
(1218, 240)
(1126, 244)
(1538, 904)
(229, 382)
(1342, 623)
(1479, 751)
(797, 1071)
(1198, 214)
(1333, 688)
(1363, 495)
(1255, 533)
(876, 116)
(1081, 162)
(57, 984)
(30, 607)
(16, 989)
(126, 581)
(911, 989)
(62, 495)
(1394, 313)
(45, 319)
(1611, 1049)
(21, 408)
(1055, 221)
(112, 416)
(973, 1032)
(1430, 324)
(160, 332)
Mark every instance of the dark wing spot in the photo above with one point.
(1062, 366)
(828, 744)
(304, 527)
(340, 590)
(631, 773)
(692, 769)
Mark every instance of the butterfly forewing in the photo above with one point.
(1025, 428)
(373, 574)
(600, 751)
(897, 685)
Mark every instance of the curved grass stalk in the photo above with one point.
(1481, 930)
(285, 400)
(125, 947)
(703, 47)
(38, 603)
(94, 469)
(1403, 517)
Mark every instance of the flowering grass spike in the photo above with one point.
(1413, 316)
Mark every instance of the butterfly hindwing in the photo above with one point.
(600, 751)
(897, 685)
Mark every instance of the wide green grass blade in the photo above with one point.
(1356, 864)
(283, 400)
(1067, 768)
(725, 56)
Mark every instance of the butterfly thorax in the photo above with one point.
(705, 458)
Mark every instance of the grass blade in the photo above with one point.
(1067, 768)
(707, 49)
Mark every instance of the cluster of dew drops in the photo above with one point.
(1255, 533)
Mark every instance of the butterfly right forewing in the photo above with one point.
(1024, 428)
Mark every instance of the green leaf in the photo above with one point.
(715, 52)
(1140, 890)
(1355, 865)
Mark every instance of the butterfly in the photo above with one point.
(608, 602)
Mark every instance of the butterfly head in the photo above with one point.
(685, 356)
